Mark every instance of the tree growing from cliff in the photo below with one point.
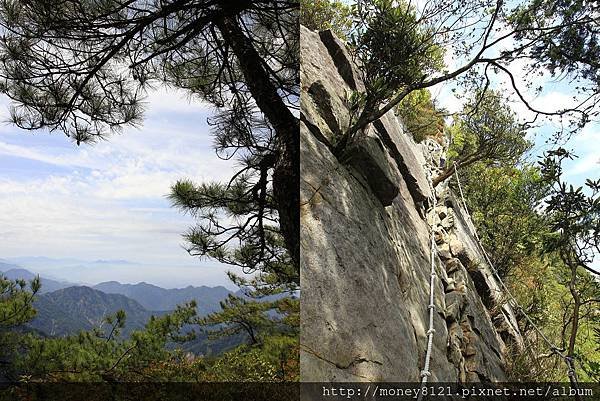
(82, 68)
(486, 131)
(320, 15)
(398, 46)
(422, 118)
(574, 215)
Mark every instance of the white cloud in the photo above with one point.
(135, 185)
(583, 166)
(107, 201)
(8, 149)
(588, 137)
(172, 100)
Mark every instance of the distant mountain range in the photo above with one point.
(65, 308)
(156, 298)
(45, 261)
(14, 272)
(150, 296)
(93, 271)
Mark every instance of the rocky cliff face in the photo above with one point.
(365, 248)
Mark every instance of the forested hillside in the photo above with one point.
(74, 309)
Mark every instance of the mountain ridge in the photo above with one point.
(15, 272)
(65, 308)
(72, 309)
(150, 296)
(156, 298)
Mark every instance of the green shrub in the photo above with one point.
(320, 15)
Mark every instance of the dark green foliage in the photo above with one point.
(95, 345)
(70, 73)
(396, 49)
(421, 117)
(16, 308)
(504, 202)
(400, 49)
(543, 250)
(70, 311)
(100, 355)
(272, 330)
(251, 240)
(255, 317)
(486, 131)
(239, 315)
(575, 213)
(320, 15)
(574, 222)
(591, 367)
(393, 46)
(16, 301)
(542, 234)
(573, 49)
(203, 346)
(82, 67)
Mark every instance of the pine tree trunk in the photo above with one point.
(286, 175)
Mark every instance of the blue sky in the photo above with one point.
(107, 201)
(585, 144)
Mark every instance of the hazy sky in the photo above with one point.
(107, 201)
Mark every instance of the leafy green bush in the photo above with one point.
(396, 50)
(394, 47)
(420, 116)
(486, 131)
(320, 15)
